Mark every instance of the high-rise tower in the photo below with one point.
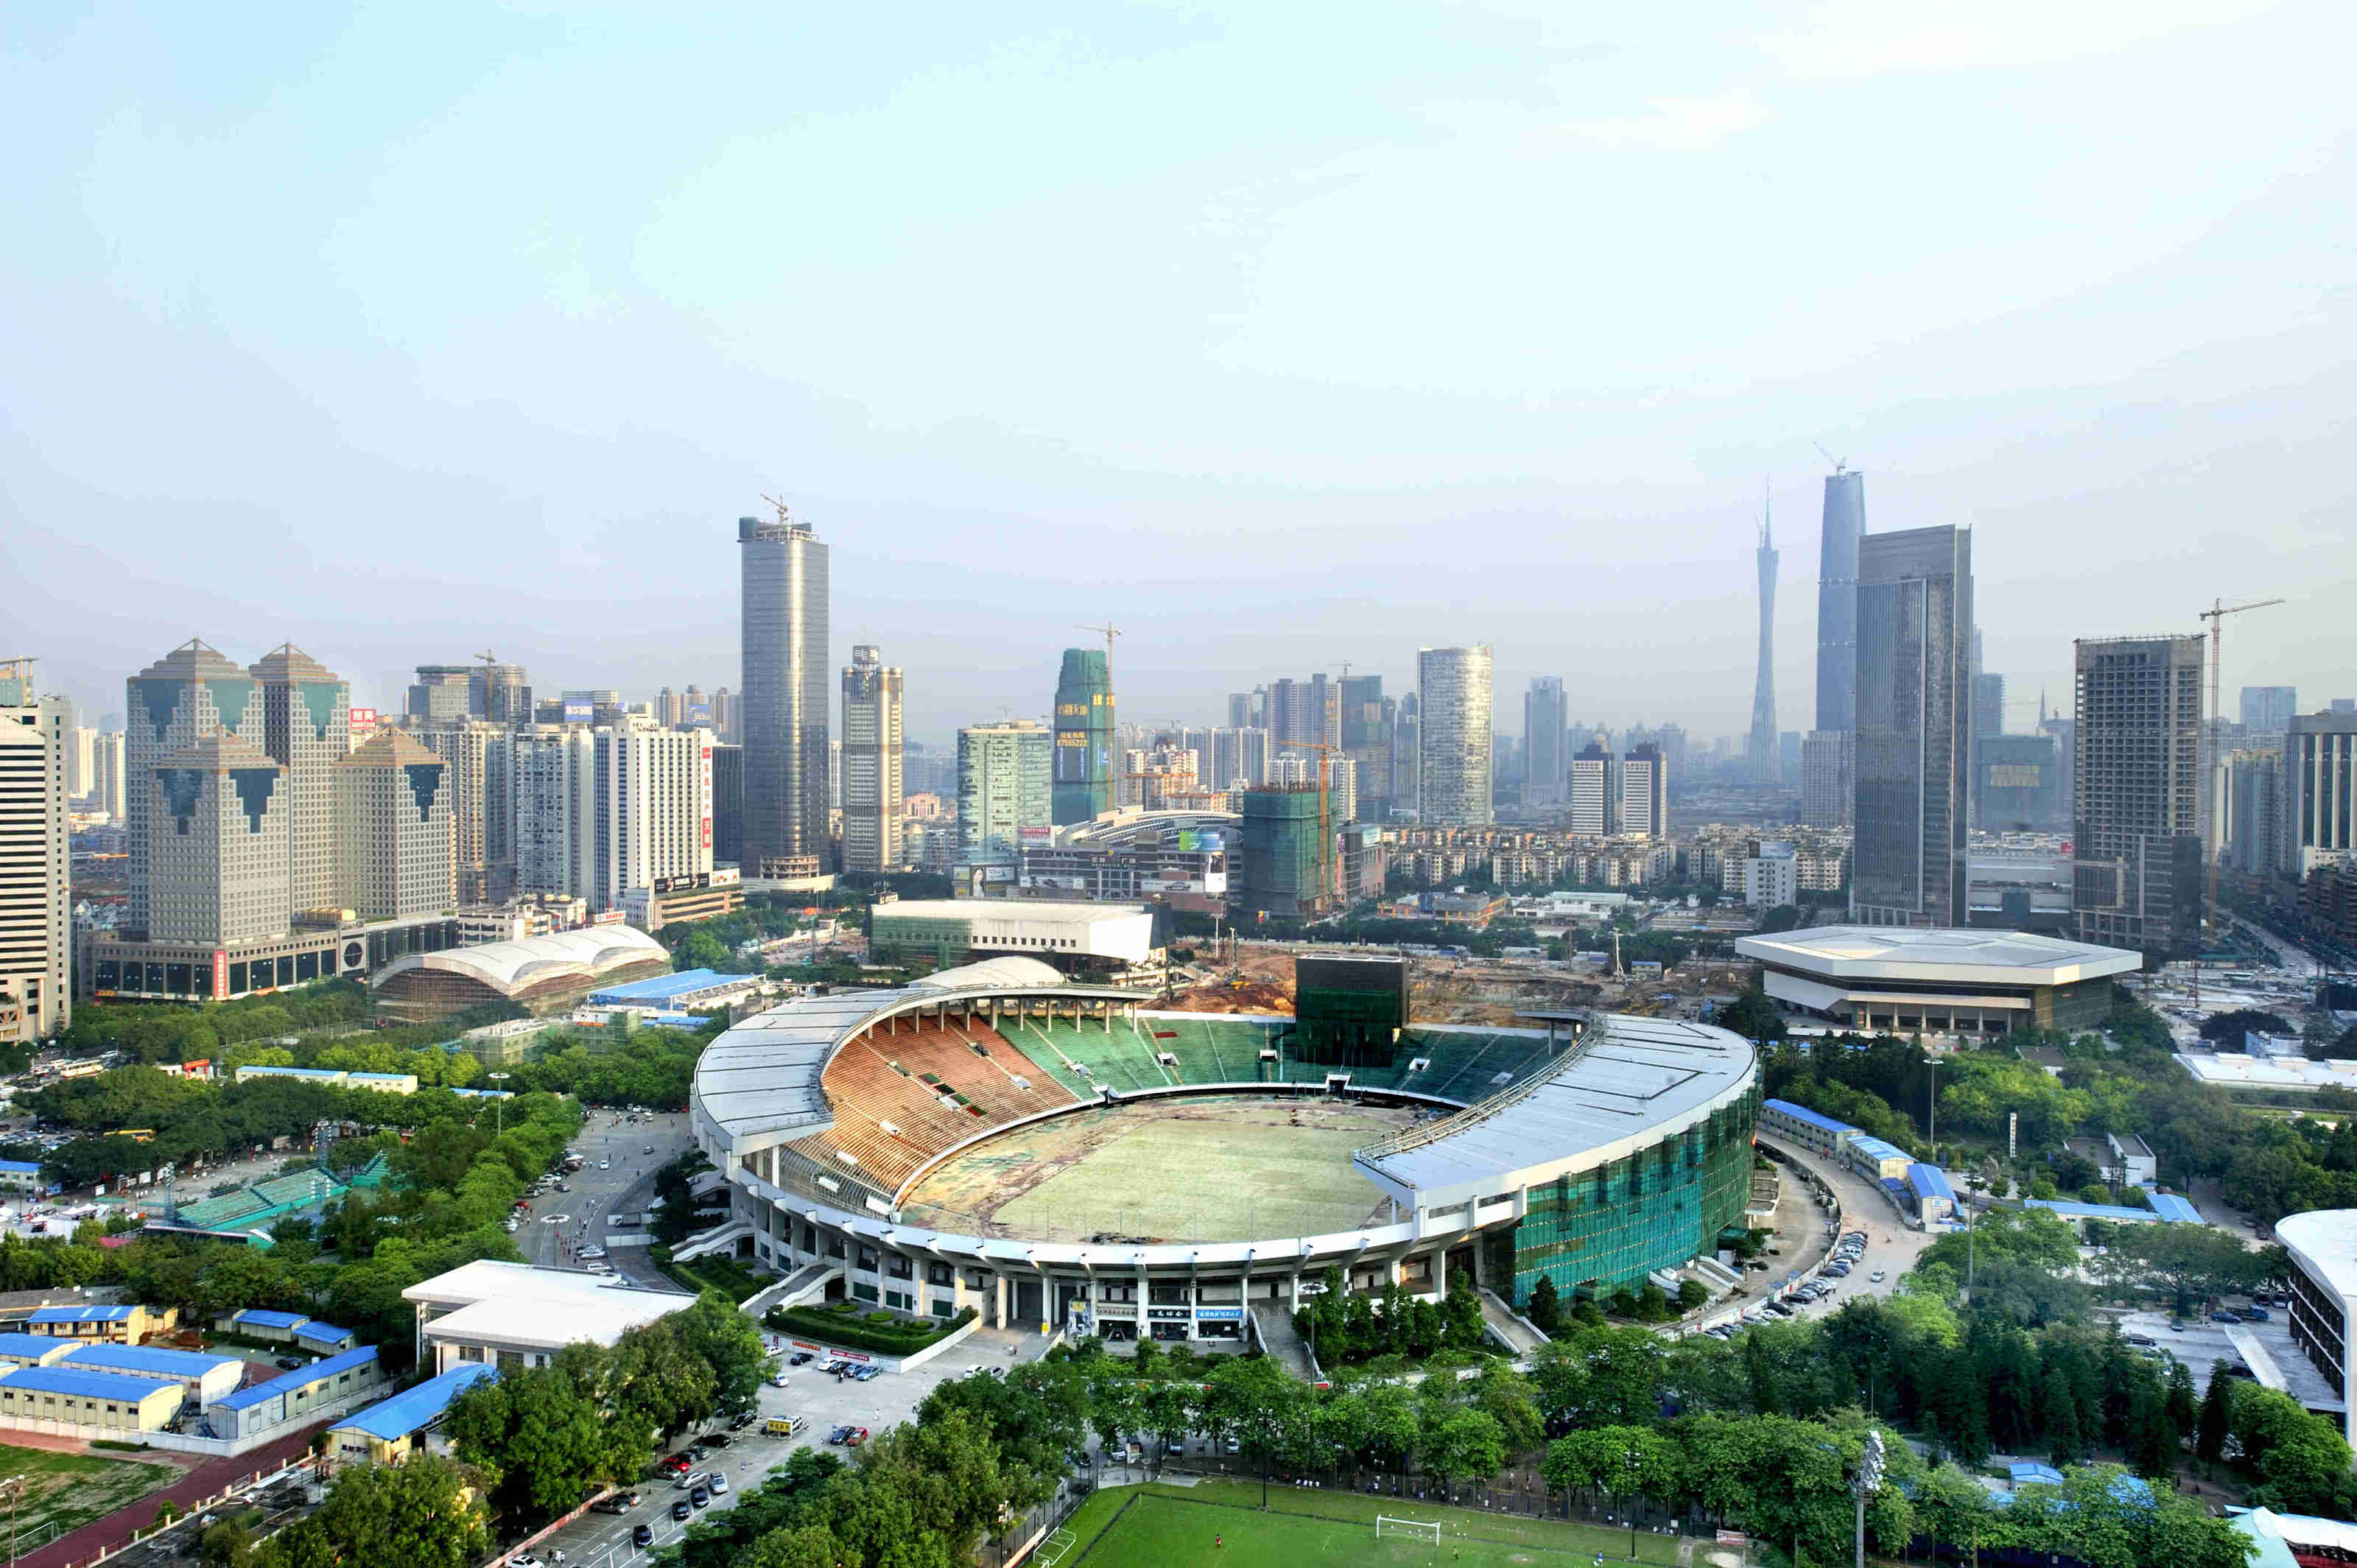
(1766, 772)
(1546, 770)
(1913, 744)
(2136, 839)
(306, 728)
(1082, 778)
(35, 867)
(1455, 747)
(871, 763)
(784, 698)
(190, 692)
(1837, 547)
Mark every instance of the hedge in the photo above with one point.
(845, 1326)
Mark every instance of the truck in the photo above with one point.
(785, 1425)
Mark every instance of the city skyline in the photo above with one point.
(529, 451)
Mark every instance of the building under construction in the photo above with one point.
(1284, 863)
(1082, 778)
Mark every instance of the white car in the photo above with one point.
(605, 1164)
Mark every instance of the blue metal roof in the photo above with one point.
(82, 1385)
(1876, 1149)
(2070, 1210)
(262, 1319)
(2043, 1474)
(388, 1421)
(294, 1071)
(288, 1382)
(312, 1328)
(1930, 1181)
(82, 1314)
(2169, 1205)
(152, 1358)
(34, 1344)
(1803, 1113)
(663, 987)
(20, 1168)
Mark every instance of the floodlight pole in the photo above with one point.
(499, 1104)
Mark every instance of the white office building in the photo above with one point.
(1644, 793)
(653, 813)
(871, 763)
(553, 785)
(36, 869)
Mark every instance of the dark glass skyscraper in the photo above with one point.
(1082, 776)
(1766, 762)
(1844, 527)
(1913, 739)
(785, 691)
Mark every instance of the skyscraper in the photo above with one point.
(190, 692)
(107, 759)
(35, 866)
(443, 692)
(396, 843)
(216, 827)
(1766, 764)
(500, 693)
(1546, 725)
(1453, 757)
(2320, 819)
(871, 763)
(479, 754)
(1366, 740)
(1837, 579)
(2269, 710)
(1644, 793)
(1594, 789)
(2137, 833)
(1083, 782)
(1913, 741)
(1407, 741)
(653, 813)
(782, 704)
(553, 795)
(1004, 799)
(306, 728)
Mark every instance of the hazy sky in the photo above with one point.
(1282, 334)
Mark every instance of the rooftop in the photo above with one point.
(82, 1314)
(1639, 1080)
(1040, 911)
(662, 987)
(522, 1304)
(2115, 1212)
(2324, 1241)
(34, 1344)
(390, 1421)
(82, 1384)
(1949, 955)
(1876, 1149)
(586, 952)
(145, 1360)
(1816, 1119)
(1930, 1181)
(262, 1318)
(288, 1382)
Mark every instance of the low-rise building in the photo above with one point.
(21, 1176)
(286, 1328)
(517, 1314)
(333, 1077)
(2168, 1208)
(684, 991)
(125, 1323)
(2322, 1246)
(296, 1395)
(202, 1377)
(1873, 1157)
(1081, 939)
(61, 1399)
(391, 1430)
(1812, 1130)
(32, 1349)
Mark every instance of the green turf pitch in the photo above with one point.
(1219, 1526)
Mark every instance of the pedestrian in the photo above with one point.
(1219, 1542)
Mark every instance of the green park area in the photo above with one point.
(1220, 1522)
(65, 1491)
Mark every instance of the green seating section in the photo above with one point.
(1463, 1065)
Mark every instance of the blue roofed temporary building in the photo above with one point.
(60, 1394)
(296, 1395)
(206, 1378)
(2078, 1214)
(1798, 1124)
(688, 988)
(1864, 1152)
(323, 1338)
(389, 1430)
(2171, 1206)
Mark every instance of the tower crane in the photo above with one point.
(2218, 611)
(1108, 631)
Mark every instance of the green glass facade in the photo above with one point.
(1083, 774)
(1599, 1229)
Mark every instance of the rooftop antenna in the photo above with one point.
(1840, 465)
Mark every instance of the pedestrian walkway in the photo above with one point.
(1520, 1336)
(1282, 1341)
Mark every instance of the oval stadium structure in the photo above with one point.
(1054, 1154)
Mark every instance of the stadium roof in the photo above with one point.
(757, 1084)
(145, 1360)
(1949, 955)
(1816, 1119)
(1633, 1082)
(288, 1382)
(82, 1384)
(2234, 1070)
(1930, 1181)
(390, 1421)
(663, 987)
(586, 952)
(2324, 1242)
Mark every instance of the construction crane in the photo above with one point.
(488, 656)
(782, 515)
(2218, 611)
(1108, 631)
(1841, 465)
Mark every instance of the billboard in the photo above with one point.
(363, 722)
(579, 711)
(699, 716)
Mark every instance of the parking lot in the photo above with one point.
(2265, 1349)
(819, 1399)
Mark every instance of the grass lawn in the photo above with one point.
(1148, 1526)
(72, 1489)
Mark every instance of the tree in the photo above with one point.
(1692, 1293)
(1754, 1016)
(1253, 1398)
(2192, 1263)
(1545, 1309)
(1511, 1400)
(730, 1343)
(228, 1545)
(2216, 1416)
(2232, 1026)
(1464, 1444)
(421, 1513)
(540, 1440)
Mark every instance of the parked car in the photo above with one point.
(740, 1421)
(674, 1463)
(289, 1363)
(642, 1535)
(801, 1358)
(2222, 1316)
(681, 1508)
(719, 1483)
(700, 1498)
(713, 1440)
(1876, 1277)
(867, 1374)
(2256, 1314)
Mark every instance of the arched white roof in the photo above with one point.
(589, 952)
(1009, 970)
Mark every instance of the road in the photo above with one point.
(2294, 959)
(558, 1222)
(1891, 1248)
(598, 1540)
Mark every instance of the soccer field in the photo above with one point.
(1219, 1525)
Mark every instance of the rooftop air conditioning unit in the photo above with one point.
(847, 1156)
(889, 1129)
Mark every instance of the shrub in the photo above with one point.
(879, 1332)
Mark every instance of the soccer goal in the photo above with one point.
(1053, 1549)
(1422, 1529)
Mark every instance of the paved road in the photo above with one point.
(597, 1540)
(558, 1222)
(1890, 1247)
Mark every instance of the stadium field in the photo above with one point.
(1213, 1169)
(1219, 1525)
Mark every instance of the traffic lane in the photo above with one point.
(558, 1222)
(1891, 1248)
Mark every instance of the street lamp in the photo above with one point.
(1630, 1461)
(16, 1489)
(1868, 1482)
(499, 1104)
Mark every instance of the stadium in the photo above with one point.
(1056, 1153)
